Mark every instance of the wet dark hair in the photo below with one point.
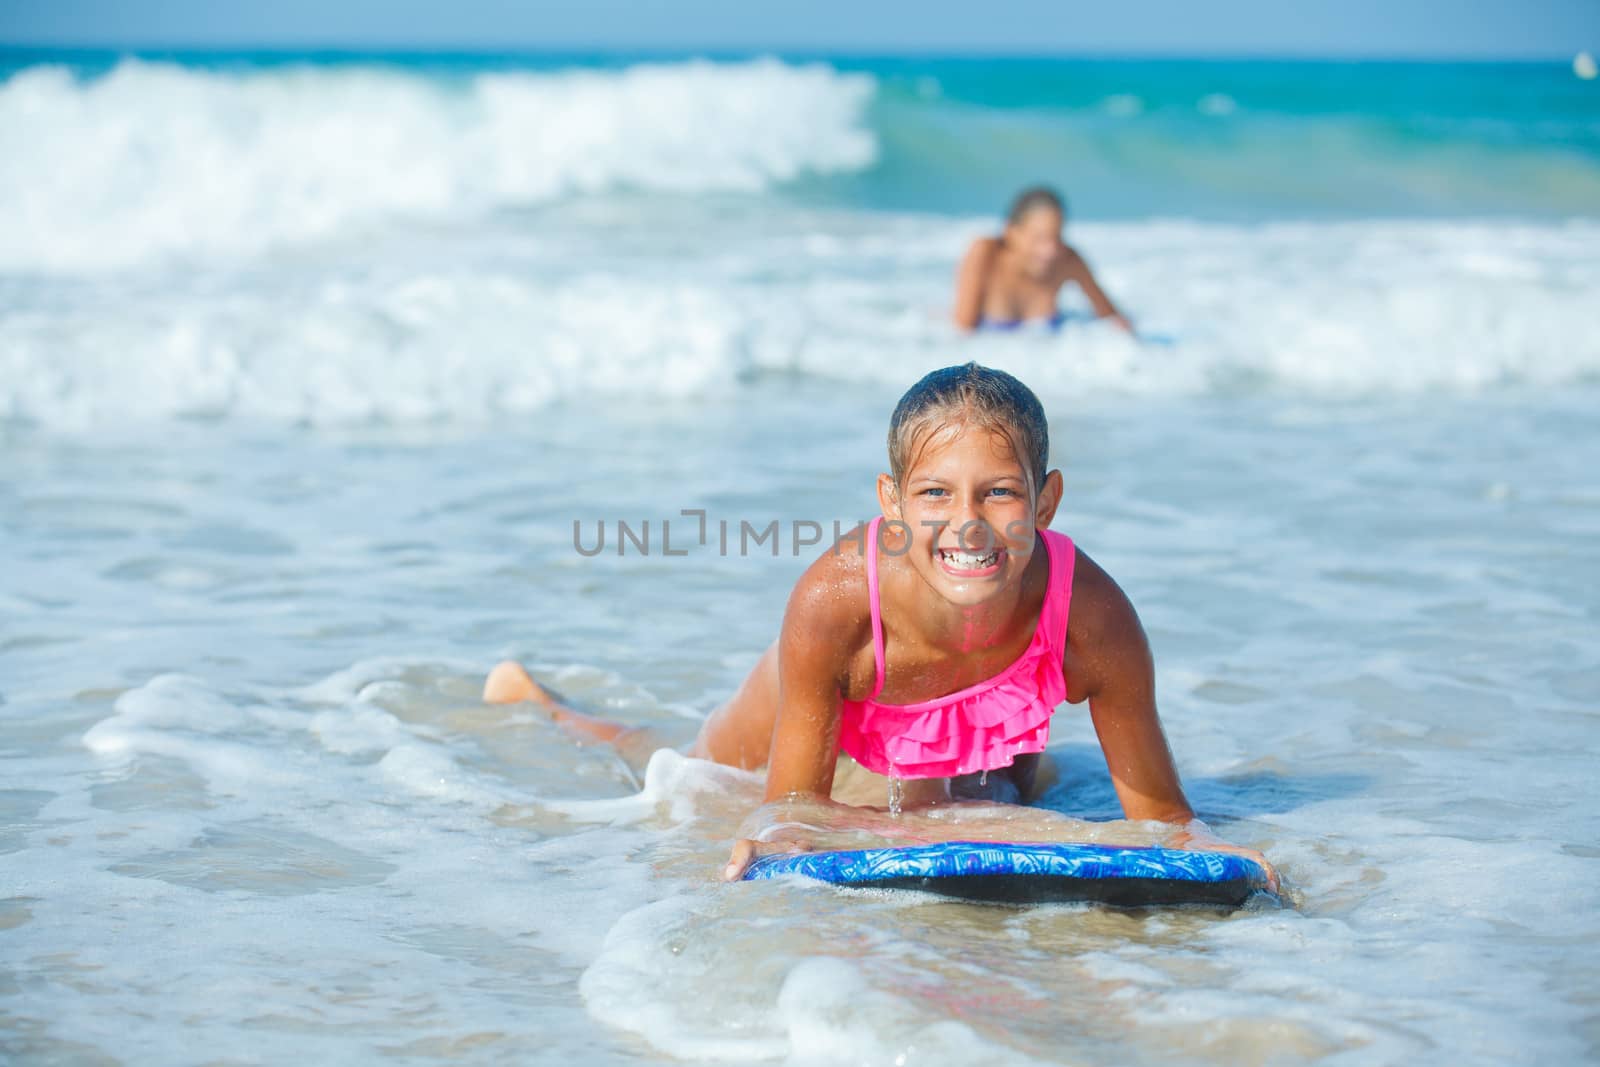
(1034, 198)
(970, 395)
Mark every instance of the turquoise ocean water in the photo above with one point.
(1215, 139)
(310, 363)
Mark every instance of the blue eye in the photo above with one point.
(932, 492)
(1003, 491)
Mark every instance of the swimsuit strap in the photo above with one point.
(1063, 555)
(871, 550)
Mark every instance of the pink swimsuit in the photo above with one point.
(982, 727)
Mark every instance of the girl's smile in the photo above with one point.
(959, 563)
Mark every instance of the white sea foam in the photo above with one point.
(522, 320)
(154, 160)
(658, 962)
(182, 718)
(429, 772)
(672, 784)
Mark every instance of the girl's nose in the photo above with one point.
(971, 533)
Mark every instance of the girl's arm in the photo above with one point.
(811, 668)
(970, 281)
(1077, 270)
(1108, 650)
(814, 652)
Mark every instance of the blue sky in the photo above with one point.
(1421, 28)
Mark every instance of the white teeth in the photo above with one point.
(969, 561)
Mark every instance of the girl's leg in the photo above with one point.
(739, 733)
(509, 683)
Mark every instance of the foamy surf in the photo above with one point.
(154, 161)
(439, 333)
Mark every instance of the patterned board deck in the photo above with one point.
(1033, 873)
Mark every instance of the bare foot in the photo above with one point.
(508, 683)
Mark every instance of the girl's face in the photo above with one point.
(1036, 237)
(971, 522)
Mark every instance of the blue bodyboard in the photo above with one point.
(1033, 873)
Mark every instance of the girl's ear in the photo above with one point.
(1044, 509)
(888, 496)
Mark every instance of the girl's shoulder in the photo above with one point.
(983, 249)
(1097, 600)
(1070, 263)
(828, 620)
(835, 585)
(1104, 634)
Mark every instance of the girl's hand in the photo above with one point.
(746, 851)
(775, 828)
(1198, 837)
(1249, 854)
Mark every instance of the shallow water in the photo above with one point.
(254, 800)
(278, 485)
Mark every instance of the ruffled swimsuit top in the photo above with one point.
(982, 727)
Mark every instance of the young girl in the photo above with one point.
(1013, 279)
(933, 645)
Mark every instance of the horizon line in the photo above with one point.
(568, 50)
